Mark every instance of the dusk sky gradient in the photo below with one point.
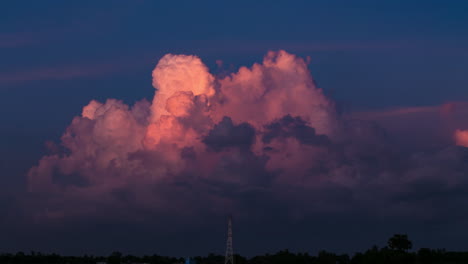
(317, 124)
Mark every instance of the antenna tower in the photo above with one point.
(229, 252)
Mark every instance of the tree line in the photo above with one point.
(397, 251)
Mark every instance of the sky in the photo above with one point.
(140, 125)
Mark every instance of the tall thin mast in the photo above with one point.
(229, 252)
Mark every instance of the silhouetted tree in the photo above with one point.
(400, 242)
(115, 258)
(395, 253)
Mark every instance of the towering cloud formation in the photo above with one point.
(281, 86)
(179, 73)
(266, 131)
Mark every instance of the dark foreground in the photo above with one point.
(397, 252)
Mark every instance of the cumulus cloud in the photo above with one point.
(280, 86)
(425, 128)
(206, 144)
(461, 137)
(179, 73)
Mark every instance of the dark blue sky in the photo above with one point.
(367, 55)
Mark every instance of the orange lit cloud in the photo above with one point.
(461, 137)
(195, 123)
(179, 73)
(263, 129)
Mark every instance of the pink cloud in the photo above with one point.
(461, 137)
(423, 126)
(281, 85)
(112, 146)
(265, 129)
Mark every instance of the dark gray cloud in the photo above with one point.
(295, 127)
(227, 135)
